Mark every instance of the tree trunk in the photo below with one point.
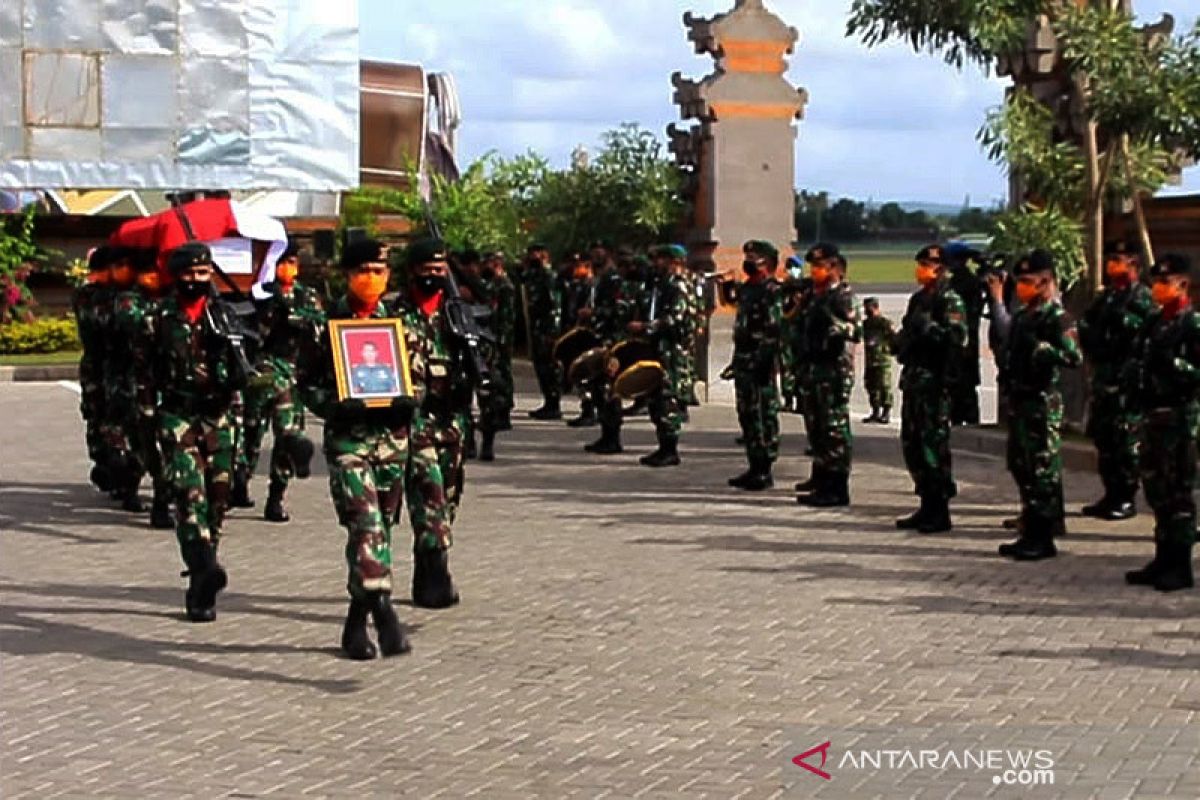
(1139, 210)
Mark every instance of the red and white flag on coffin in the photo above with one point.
(246, 244)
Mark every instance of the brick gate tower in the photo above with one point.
(740, 156)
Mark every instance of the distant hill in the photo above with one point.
(933, 209)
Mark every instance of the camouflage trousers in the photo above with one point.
(271, 403)
(804, 398)
(366, 482)
(1115, 428)
(758, 415)
(1034, 453)
(925, 438)
(91, 408)
(496, 405)
(135, 439)
(198, 464)
(877, 380)
(434, 478)
(688, 374)
(830, 436)
(549, 374)
(1168, 466)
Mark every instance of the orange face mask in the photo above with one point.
(1028, 291)
(821, 275)
(286, 273)
(123, 275)
(1118, 271)
(1167, 294)
(99, 278)
(150, 281)
(368, 287)
(926, 274)
(581, 273)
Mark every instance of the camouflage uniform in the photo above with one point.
(797, 293)
(130, 348)
(878, 335)
(966, 375)
(670, 331)
(286, 319)
(1110, 335)
(1170, 400)
(756, 344)
(831, 328)
(498, 293)
(618, 301)
(92, 305)
(545, 322)
(1040, 342)
(933, 335)
(697, 319)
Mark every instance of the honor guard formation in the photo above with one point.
(181, 382)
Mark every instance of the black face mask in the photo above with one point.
(488, 274)
(191, 290)
(429, 284)
(750, 268)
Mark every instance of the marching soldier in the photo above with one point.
(668, 324)
(965, 374)
(91, 304)
(502, 297)
(1041, 341)
(126, 464)
(366, 450)
(932, 336)
(545, 321)
(192, 377)
(1110, 335)
(286, 317)
(756, 341)
(878, 338)
(1170, 398)
(831, 329)
(579, 301)
(435, 475)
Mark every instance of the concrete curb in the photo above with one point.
(47, 373)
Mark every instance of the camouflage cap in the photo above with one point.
(1171, 264)
(931, 254)
(363, 251)
(423, 251)
(191, 254)
(674, 252)
(821, 252)
(762, 249)
(1034, 263)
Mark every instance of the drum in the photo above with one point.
(636, 370)
(574, 343)
(588, 366)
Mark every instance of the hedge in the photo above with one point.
(39, 336)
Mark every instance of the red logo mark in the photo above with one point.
(823, 749)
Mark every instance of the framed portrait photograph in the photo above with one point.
(370, 360)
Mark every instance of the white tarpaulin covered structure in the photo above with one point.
(179, 94)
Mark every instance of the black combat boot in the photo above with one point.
(937, 517)
(160, 512)
(740, 481)
(609, 443)
(1121, 508)
(1035, 543)
(810, 485)
(100, 477)
(872, 417)
(130, 500)
(206, 578)
(487, 449)
(914, 520)
(505, 422)
(587, 416)
(832, 492)
(667, 454)
(356, 642)
(432, 585)
(393, 639)
(1147, 575)
(1176, 570)
(274, 510)
(1099, 508)
(885, 416)
(469, 450)
(299, 449)
(239, 494)
(760, 478)
(549, 410)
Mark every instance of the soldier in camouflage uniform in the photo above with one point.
(435, 474)
(1110, 335)
(932, 338)
(91, 304)
(1041, 341)
(286, 317)
(126, 466)
(697, 325)
(544, 297)
(831, 329)
(878, 340)
(668, 325)
(131, 346)
(797, 289)
(1169, 394)
(965, 374)
(579, 300)
(191, 377)
(366, 450)
(756, 342)
(499, 294)
(618, 301)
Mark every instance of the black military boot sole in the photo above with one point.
(937, 523)
(393, 639)
(913, 521)
(356, 642)
(1097, 509)
(1118, 512)
(603, 448)
(660, 459)
(1146, 576)
(1026, 549)
(546, 413)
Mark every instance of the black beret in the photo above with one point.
(362, 251)
(1119, 247)
(1035, 262)
(102, 258)
(821, 251)
(761, 248)
(536, 247)
(1171, 264)
(469, 256)
(423, 251)
(291, 251)
(871, 302)
(191, 254)
(932, 253)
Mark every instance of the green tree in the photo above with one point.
(18, 256)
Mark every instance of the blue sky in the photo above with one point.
(549, 75)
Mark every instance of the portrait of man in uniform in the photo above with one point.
(370, 360)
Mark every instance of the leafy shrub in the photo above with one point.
(39, 336)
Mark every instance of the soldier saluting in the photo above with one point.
(1169, 393)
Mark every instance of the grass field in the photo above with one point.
(40, 359)
(879, 267)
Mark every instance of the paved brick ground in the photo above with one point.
(624, 633)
